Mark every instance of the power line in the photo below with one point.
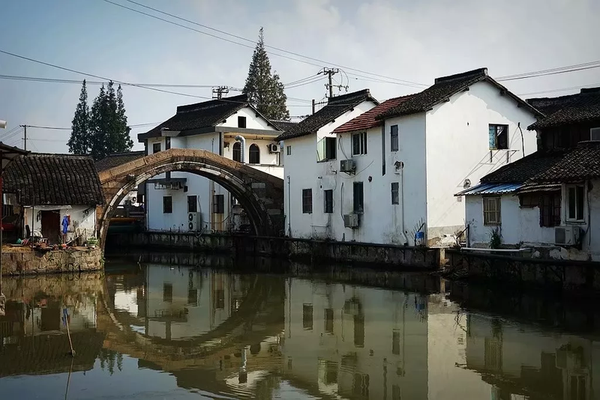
(246, 39)
(560, 90)
(553, 71)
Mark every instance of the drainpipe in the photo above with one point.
(402, 200)
(289, 207)
(242, 147)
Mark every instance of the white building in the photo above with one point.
(47, 191)
(356, 342)
(229, 127)
(306, 148)
(393, 171)
(549, 200)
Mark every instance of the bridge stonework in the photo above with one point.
(260, 194)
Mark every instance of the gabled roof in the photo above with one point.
(9, 153)
(368, 119)
(285, 126)
(201, 115)
(336, 106)
(54, 179)
(579, 164)
(444, 88)
(116, 159)
(565, 110)
(525, 168)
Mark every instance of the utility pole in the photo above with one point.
(330, 72)
(218, 91)
(24, 136)
(313, 106)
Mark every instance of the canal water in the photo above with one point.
(157, 330)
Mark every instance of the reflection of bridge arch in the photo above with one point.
(262, 305)
(260, 194)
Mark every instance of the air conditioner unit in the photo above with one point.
(347, 166)
(274, 148)
(566, 235)
(351, 221)
(194, 221)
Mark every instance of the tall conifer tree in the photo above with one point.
(80, 140)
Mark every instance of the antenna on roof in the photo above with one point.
(217, 91)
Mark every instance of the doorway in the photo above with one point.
(51, 226)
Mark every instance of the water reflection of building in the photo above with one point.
(33, 336)
(521, 360)
(356, 342)
(180, 303)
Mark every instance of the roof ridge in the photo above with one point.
(347, 96)
(479, 71)
(242, 99)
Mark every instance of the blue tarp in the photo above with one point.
(490, 188)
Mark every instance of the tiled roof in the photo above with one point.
(368, 119)
(444, 88)
(285, 126)
(54, 179)
(565, 110)
(579, 164)
(199, 115)
(336, 106)
(114, 160)
(525, 168)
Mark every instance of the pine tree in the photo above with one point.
(264, 89)
(108, 123)
(80, 140)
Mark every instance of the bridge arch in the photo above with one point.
(260, 194)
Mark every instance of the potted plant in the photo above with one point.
(92, 242)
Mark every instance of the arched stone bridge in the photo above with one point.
(260, 194)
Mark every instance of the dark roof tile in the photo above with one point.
(199, 115)
(114, 160)
(444, 88)
(54, 179)
(285, 126)
(525, 168)
(565, 110)
(368, 119)
(336, 106)
(581, 163)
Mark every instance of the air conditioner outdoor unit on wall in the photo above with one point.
(194, 221)
(347, 166)
(274, 148)
(351, 221)
(566, 235)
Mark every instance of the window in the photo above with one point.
(550, 209)
(156, 148)
(491, 210)
(395, 193)
(396, 342)
(359, 143)
(241, 122)
(328, 201)
(359, 200)
(307, 201)
(329, 320)
(219, 204)
(192, 204)
(394, 138)
(288, 150)
(167, 205)
(498, 137)
(575, 201)
(168, 292)
(529, 200)
(167, 143)
(192, 299)
(595, 133)
(326, 149)
(254, 154)
(307, 316)
(237, 152)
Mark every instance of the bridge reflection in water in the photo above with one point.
(176, 332)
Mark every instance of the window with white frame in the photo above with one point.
(359, 143)
(575, 202)
(491, 210)
(595, 133)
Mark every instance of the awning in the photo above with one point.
(539, 188)
(490, 188)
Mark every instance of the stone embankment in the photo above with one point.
(26, 261)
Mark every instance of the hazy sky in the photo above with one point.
(406, 40)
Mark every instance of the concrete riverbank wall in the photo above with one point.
(417, 258)
(20, 261)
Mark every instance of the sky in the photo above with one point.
(392, 47)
